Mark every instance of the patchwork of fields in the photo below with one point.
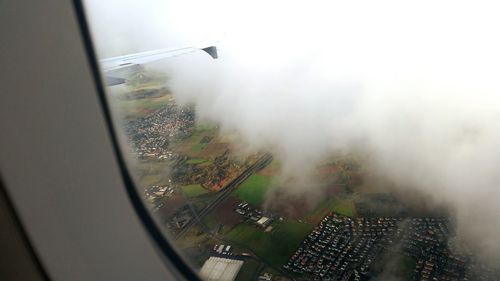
(203, 151)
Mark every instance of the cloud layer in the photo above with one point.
(413, 85)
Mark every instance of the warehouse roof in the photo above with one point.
(220, 269)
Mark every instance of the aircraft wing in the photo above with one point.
(115, 63)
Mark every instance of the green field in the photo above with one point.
(200, 127)
(210, 221)
(136, 108)
(341, 206)
(198, 147)
(194, 190)
(214, 224)
(254, 189)
(193, 145)
(276, 246)
(247, 270)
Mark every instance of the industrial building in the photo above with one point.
(264, 222)
(220, 269)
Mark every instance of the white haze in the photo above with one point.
(414, 84)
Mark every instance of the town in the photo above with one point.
(338, 248)
(342, 248)
(150, 136)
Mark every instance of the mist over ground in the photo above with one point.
(412, 85)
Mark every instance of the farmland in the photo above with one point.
(340, 205)
(274, 247)
(194, 190)
(254, 190)
(185, 164)
(247, 270)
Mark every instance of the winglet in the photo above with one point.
(212, 51)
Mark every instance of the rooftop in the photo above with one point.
(220, 269)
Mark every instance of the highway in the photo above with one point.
(226, 192)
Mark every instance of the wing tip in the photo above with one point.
(212, 51)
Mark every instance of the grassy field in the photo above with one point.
(195, 146)
(198, 147)
(135, 108)
(276, 246)
(254, 189)
(211, 221)
(247, 270)
(205, 127)
(194, 190)
(343, 206)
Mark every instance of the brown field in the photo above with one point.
(299, 208)
(215, 149)
(210, 151)
(220, 184)
(172, 204)
(291, 207)
(226, 215)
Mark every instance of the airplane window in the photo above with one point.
(311, 140)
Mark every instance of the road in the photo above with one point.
(224, 194)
